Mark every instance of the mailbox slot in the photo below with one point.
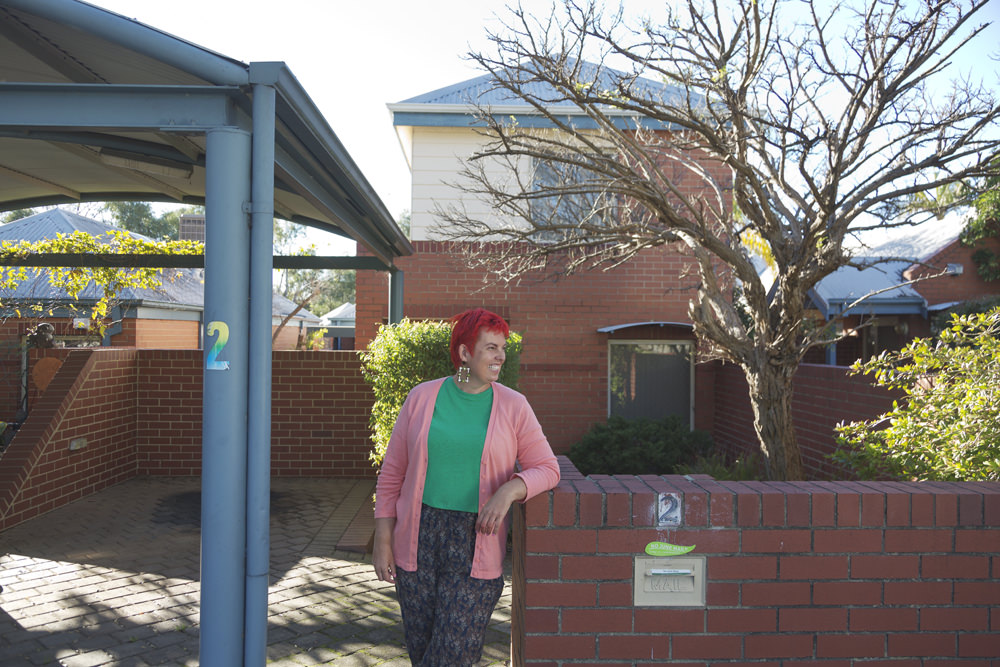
(669, 582)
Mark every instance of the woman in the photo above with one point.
(446, 486)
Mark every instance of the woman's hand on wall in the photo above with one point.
(492, 516)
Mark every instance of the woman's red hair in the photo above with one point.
(466, 327)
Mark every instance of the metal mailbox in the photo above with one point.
(669, 582)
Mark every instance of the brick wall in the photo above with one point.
(564, 366)
(797, 574)
(824, 396)
(320, 410)
(168, 437)
(319, 414)
(166, 334)
(140, 411)
(92, 397)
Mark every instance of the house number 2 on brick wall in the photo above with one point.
(212, 363)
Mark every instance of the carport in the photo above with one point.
(97, 107)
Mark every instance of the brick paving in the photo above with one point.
(113, 580)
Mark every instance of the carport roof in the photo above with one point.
(65, 63)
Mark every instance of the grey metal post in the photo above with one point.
(395, 296)
(224, 406)
(258, 501)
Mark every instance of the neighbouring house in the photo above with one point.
(595, 343)
(168, 317)
(923, 271)
(339, 325)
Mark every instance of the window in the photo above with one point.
(651, 379)
(570, 202)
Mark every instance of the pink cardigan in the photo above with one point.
(513, 435)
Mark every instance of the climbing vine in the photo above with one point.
(110, 281)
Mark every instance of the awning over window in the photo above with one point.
(631, 325)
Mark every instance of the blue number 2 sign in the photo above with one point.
(212, 363)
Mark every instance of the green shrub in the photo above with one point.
(946, 427)
(719, 467)
(638, 447)
(402, 356)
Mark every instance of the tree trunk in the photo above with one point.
(771, 398)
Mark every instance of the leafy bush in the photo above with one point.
(947, 427)
(638, 447)
(402, 356)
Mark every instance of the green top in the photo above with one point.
(455, 444)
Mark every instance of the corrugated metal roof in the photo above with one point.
(343, 313)
(281, 306)
(915, 243)
(893, 249)
(436, 106)
(848, 284)
(484, 89)
(48, 224)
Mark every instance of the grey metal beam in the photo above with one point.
(97, 196)
(121, 107)
(96, 260)
(308, 120)
(318, 194)
(329, 262)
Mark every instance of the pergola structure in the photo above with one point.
(98, 107)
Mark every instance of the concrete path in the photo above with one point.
(113, 580)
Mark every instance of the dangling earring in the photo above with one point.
(464, 374)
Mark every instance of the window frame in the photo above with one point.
(687, 342)
(556, 168)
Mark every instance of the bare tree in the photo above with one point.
(720, 127)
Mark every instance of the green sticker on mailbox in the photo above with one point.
(667, 549)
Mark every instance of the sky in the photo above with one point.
(354, 57)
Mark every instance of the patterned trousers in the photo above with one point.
(445, 611)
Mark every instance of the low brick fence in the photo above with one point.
(823, 397)
(795, 573)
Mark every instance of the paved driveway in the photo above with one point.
(113, 580)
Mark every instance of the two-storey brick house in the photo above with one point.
(595, 343)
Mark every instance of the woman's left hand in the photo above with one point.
(492, 516)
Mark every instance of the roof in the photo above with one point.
(281, 306)
(100, 107)
(455, 105)
(342, 314)
(888, 252)
(50, 223)
(916, 243)
(835, 294)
